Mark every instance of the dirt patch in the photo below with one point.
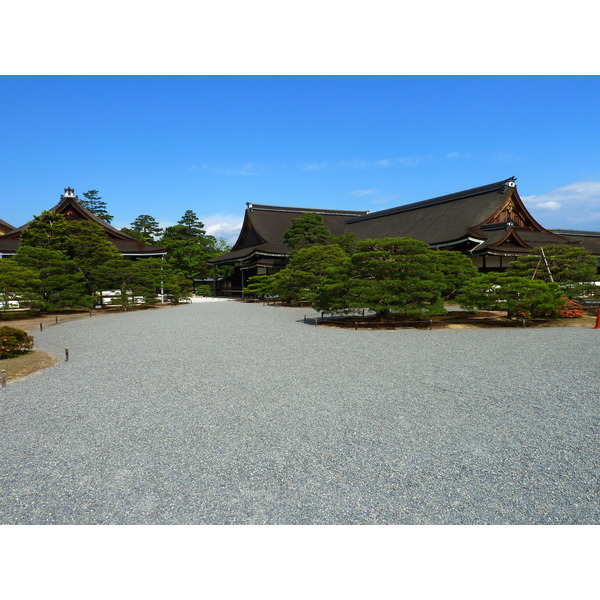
(26, 364)
(453, 320)
(32, 324)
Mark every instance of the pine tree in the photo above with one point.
(145, 225)
(306, 230)
(192, 223)
(95, 205)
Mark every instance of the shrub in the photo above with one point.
(14, 342)
(203, 290)
(571, 310)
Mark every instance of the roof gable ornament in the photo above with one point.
(508, 183)
(510, 239)
(69, 193)
(512, 213)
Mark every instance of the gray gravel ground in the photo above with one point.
(229, 413)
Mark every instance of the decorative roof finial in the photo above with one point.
(69, 193)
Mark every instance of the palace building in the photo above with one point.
(70, 207)
(5, 227)
(489, 224)
(260, 249)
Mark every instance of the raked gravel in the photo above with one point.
(232, 413)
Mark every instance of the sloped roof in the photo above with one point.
(590, 240)
(70, 207)
(4, 227)
(436, 220)
(490, 218)
(483, 215)
(264, 226)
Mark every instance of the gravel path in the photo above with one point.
(230, 413)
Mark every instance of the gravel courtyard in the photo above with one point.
(230, 413)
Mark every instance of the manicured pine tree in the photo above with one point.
(93, 203)
(61, 283)
(19, 281)
(145, 228)
(189, 247)
(306, 230)
(83, 242)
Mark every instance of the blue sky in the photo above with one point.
(161, 145)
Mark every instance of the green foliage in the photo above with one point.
(14, 342)
(191, 222)
(222, 245)
(317, 259)
(346, 241)
(294, 286)
(139, 278)
(204, 290)
(389, 275)
(518, 296)
(303, 276)
(61, 283)
(17, 282)
(306, 230)
(569, 265)
(144, 228)
(456, 270)
(62, 263)
(189, 248)
(47, 230)
(261, 285)
(136, 235)
(82, 242)
(94, 204)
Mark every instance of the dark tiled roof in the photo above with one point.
(436, 220)
(576, 232)
(499, 187)
(4, 226)
(321, 211)
(264, 227)
(124, 243)
(519, 241)
(590, 240)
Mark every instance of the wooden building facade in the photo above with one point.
(70, 207)
(490, 224)
(260, 249)
(5, 227)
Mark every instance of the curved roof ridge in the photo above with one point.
(325, 211)
(499, 186)
(575, 232)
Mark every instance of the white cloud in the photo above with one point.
(550, 205)
(193, 168)
(504, 157)
(314, 166)
(388, 200)
(246, 169)
(574, 205)
(383, 163)
(361, 193)
(225, 226)
(458, 155)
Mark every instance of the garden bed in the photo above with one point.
(453, 320)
